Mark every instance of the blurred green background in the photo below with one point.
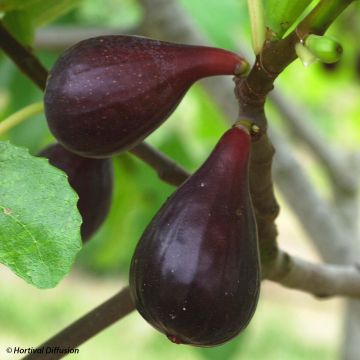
(287, 325)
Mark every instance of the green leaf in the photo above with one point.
(281, 14)
(39, 219)
(40, 12)
(20, 24)
(48, 10)
(9, 5)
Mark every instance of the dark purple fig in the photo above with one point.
(195, 274)
(92, 179)
(106, 94)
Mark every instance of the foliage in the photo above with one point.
(39, 219)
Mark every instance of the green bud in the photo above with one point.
(326, 49)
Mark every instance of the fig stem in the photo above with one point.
(89, 325)
(167, 169)
(20, 116)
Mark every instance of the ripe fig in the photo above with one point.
(195, 273)
(106, 94)
(92, 179)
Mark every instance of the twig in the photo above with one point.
(322, 280)
(23, 58)
(89, 325)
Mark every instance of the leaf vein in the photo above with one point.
(27, 230)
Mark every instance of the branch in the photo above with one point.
(89, 325)
(23, 58)
(252, 92)
(263, 197)
(319, 279)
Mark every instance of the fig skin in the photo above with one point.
(195, 273)
(92, 179)
(104, 95)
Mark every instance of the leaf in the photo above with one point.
(39, 219)
(281, 14)
(20, 24)
(9, 5)
(40, 12)
(256, 13)
(48, 10)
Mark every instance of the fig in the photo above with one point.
(92, 179)
(104, 95)
(195, 273)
